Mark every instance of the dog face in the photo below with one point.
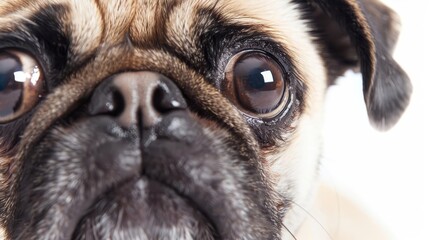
(192, 119)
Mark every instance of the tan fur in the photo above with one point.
(120, 34)
(104, 26)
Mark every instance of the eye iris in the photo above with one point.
(10, 88)
(259, 83)
(20, 84)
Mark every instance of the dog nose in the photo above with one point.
(136, 98)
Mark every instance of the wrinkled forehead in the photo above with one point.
(90, 23)
(80, 28)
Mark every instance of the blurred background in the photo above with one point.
(386, 172)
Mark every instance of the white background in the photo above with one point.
(386, 172)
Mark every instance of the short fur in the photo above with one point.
(242, 178)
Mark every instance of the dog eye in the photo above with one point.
(256, 83)
(20, 84)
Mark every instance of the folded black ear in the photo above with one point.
(363, 33)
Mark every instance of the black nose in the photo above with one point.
(136, 98)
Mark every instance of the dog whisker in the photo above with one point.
(94, 233)
(192, 119)
(312, 217)
(119, 220)
(289, 231)
(337, 196)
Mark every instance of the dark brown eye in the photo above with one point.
(256, 84)
(20, 84)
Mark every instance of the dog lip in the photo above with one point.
(213, 178)
(113, 192)
(215, 189)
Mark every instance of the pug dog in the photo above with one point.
(179, 119)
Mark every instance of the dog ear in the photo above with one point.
(363, 34)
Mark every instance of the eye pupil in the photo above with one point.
(8, 66)
(10, 90)
(256, 79)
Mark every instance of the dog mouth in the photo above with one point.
(156, 204)
(143, 208)
(185, 185)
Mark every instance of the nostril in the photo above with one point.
(133, 98)
(165, 99)
(159, 101)
(118, 103)
(107, 101)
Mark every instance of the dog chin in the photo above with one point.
(143, 208)
(95, 180)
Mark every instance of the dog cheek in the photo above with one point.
(295, 165)
(4, 183)
(6, 193)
